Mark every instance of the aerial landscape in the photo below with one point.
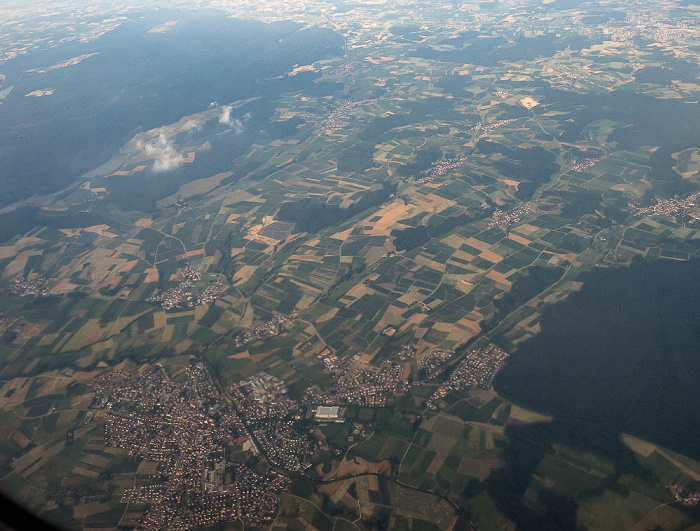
(351, 264)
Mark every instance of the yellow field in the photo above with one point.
(100, 230)
(529, 102)
(390, 215)
(491, 256)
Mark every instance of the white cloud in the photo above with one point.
(163, 152)
(189, 125)
(226, 118)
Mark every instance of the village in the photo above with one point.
(673, 206)
(269, 329)
(476, 370)
(184, 296)
(26, 287)
(183, 429)
(499, 218)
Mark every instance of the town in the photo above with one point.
(184, 429)
(201, 443)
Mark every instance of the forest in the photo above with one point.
(309, 215)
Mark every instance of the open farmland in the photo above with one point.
(368, 278)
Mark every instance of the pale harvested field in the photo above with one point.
(357, 291)
(100, 230)
(499, 278)
(477, 244)
(39, 93)
(519, 239)
(433, 201)
(244, 273)
(335, 491)
(151, 275)
(525, 415)
(463, 255)
(182, 346)
(353, 185)
(7, 252)
(474, 327)
(436, 463)
(200, 186)
(20, 386)
(454, 333)
(527, 229)
(491, 256)
(197, 252)
(62, 288)
(638, 446)
(87, 509)
(328, 315)
(529, 102)
(366, 358)
(357, 466)
(17, 265)
(38, 452)
(129, 248)
(373, 482)
(415, 319)
(85, 472)
(128, 266)
(390, 216)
